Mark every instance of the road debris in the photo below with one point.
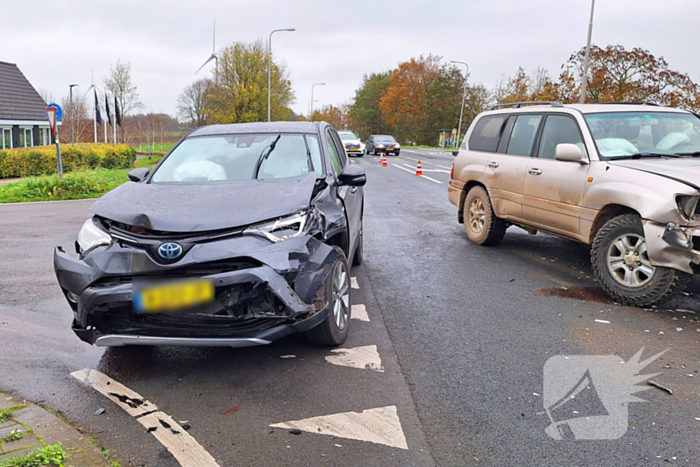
(288, 356)
(659, 386)
(230, 411)
(679, 329)
(295, 431)
(682, 310)
(604, 321)
(100, 411)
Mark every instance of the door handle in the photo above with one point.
(354, 189)
(493, 165)
(535, 171)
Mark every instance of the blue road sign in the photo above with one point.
(59, 111)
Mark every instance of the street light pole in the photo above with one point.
(311, 111)
(269, 70)
(584, 81)
(464, 96)
(72, 115)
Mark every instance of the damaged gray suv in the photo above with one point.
(624, 179)
(240, 235)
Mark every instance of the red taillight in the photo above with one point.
(452, 172)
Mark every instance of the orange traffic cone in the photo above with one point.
(384, 164)
(419, 170)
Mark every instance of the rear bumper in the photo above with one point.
(276, 294)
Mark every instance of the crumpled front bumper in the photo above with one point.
(290, 274)
(672, 246)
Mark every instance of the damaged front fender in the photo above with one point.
(671, 246)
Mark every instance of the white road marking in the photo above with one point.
(413, 172)
(434, 154)
(379, 426)
(186, 449)
(365, 358)
(423, 161)
(359, 312)
(427, 170)
(353, 283)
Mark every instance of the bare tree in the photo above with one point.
(46, 95)
(83, 123)
(120, 86)
(192, 103)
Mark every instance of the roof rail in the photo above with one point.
(517, 105)
(629, 103)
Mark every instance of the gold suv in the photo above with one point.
(624, 179)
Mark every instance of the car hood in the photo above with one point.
(686, 170)
(206, 206)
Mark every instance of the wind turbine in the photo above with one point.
(212, 57)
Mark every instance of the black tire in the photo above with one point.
(492, 229)
(328, 332)
(662, 285)
(359, 251)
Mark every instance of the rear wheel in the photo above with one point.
(480, 222)
(621, 265)
(334, 329)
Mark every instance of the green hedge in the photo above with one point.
(25, 162)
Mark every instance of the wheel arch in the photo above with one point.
(468, 186)
(609, 211)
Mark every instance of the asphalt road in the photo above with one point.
(463, 333)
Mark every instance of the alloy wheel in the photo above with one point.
(341, 295)
(477, 215)
(628, 261)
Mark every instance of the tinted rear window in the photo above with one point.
(486, 133)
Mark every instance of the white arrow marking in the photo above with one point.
(366, 358)
(353, 283)
(186, 449)
(379, 426)
(359, 312)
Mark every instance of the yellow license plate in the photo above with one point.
(173, 297)
(351, 150)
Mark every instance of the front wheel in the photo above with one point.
(334, 329)
(480, 222)
(621, 264)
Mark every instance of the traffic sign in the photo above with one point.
(51, 115)
(59, 111)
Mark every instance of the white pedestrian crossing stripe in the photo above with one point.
(379, 426)
(366, 358)
(359, 312)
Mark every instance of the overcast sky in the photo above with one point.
(59, 42)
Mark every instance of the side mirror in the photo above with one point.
(139, 174)
(455, 153)
(352, 175)
(569, 152)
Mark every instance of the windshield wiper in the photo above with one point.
(639, 155)
(264, 155)
(686, 154)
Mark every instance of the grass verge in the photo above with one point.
(149, 162)
(154, 148)
(75, 185)
(49, 455)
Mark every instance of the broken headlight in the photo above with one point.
(687, 205)
(283, 229)
(92, 235)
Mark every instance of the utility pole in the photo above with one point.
(311, 112)
(72, 115)
(464, 96)
(269, 70)
(584, 81)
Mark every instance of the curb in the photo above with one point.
(45, 429)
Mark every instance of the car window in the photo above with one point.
(341, 149)
(347, 136)
(558, 129)
(619, 134)
(523, 135)
(333, 153)
(315, 150)
(384, 139)
(486, 133)
(233, 157)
